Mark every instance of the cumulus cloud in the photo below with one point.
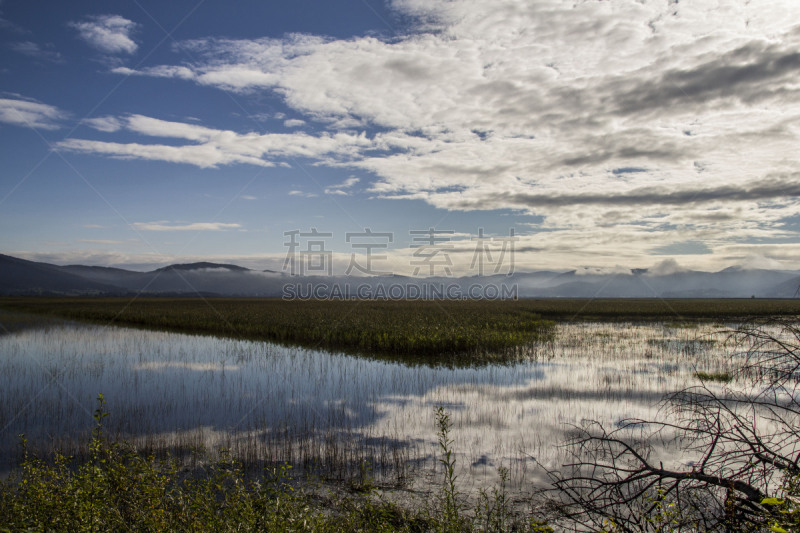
(175, 226)
(29, 113)
(658, 121)
(550, 80)
(108, 33)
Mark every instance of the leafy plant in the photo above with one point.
(494, 512)
(449, 498)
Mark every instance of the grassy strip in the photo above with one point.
(427, 329)
(405, 328)
(719, 377)
(116, 489)
(13, 321)
(675, 311)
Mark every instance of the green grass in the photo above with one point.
(428, 329)
(719, 377)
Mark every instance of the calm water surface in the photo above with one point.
(273, 403)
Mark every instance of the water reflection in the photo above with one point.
(272, 403)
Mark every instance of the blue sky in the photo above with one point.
(608, 135)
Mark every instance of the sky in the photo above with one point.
(602, 135)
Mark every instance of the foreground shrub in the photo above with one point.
(114, 488)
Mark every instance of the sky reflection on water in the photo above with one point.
(280, 403)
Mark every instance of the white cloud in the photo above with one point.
(302, 193)
(665, 268)
(294, 123)
(759, 261)
(248, 197)
(157, 72)
(341, 188)
(108, 33)
(213, 147)
(203, 156)
(106, 124)
(31, 114)
(648, 121)
(531, 90)
(164, 225)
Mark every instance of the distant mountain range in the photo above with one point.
(21, 277)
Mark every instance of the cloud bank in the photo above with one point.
(643, 121)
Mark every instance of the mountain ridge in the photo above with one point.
(23, 277)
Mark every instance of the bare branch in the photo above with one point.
(746, 439)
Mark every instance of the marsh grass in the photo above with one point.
(116, 488)
(14, 321)
(718, 377)
(438, 330)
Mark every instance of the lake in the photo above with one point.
(337, 414)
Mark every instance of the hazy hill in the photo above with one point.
(188, 267)
(18, 276)
(189, 279)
